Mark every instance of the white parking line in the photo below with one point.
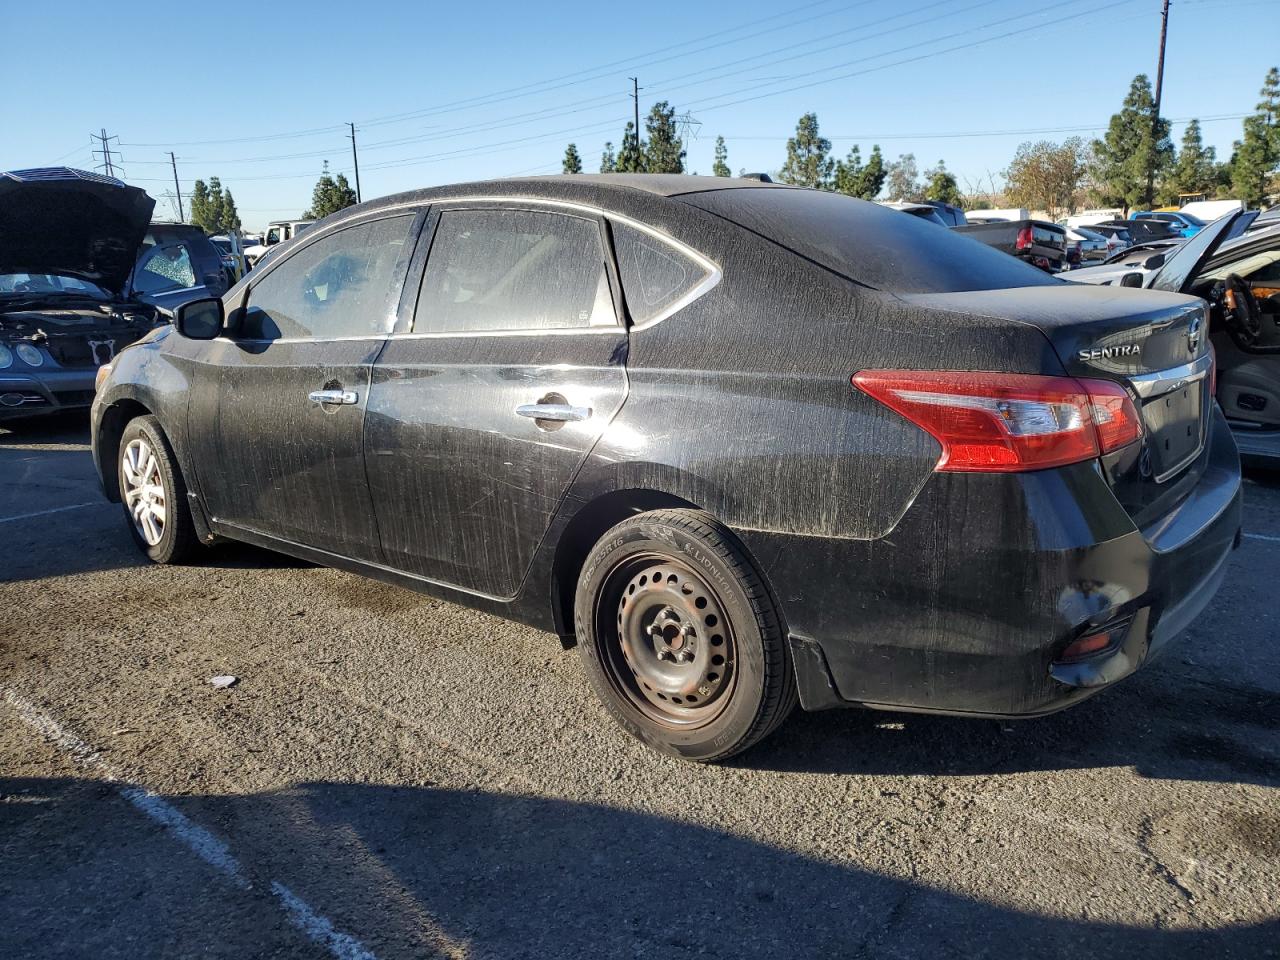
(45, 513)
(1261, 536)
(200, 841)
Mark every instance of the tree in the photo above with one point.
(631, 156)
(1256, 157)
(1196, 170)
(721, 166)
(903, 179)
(1047, 176)
(664, 153)
(808, 156)
(201, 216)
(213, 210)
(858, 179)
(941, 185)
(329, 196)
(1129, 156)
(608, 160)
(572, 162)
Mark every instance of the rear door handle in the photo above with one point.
(333, 396)
(561, 412)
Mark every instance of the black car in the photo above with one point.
(1142, 231)
(68, 244)
(739, 443)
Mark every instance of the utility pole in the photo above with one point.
(355, 159)
(1155, 119)
(177, 189)
(635, 96)
(106, 166)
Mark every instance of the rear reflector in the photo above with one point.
(1008, 422)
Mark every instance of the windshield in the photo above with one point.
(1181, 265)
(41, 283)
(871, 244)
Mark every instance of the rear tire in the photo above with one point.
(680, 637)
(153, 494)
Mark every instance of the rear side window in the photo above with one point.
(870, 244)
(655, 275)
(514, 270)
(339, 286)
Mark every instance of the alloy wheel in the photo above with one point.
(144, 493)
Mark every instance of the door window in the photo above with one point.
(343, 285)
(655, 275)
(499, 270)
(165, 268)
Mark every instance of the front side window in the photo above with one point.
(343, 285)
(504, 270)
(655, 275)
(165, 268)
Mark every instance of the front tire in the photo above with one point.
(680, 637)
(154, 494)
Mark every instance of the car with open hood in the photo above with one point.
(69, 243)
(742, 444)
(1238, 275)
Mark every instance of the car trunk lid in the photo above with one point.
(1155, 344)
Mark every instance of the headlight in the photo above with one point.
(6, 356)
(100, 377)
(29, 355)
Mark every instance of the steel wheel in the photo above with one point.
(670, 648)
(144, 493)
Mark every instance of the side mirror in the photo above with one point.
(1153, 261)
(1131, 280)
(199, 319)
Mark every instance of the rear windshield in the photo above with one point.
(873, 245)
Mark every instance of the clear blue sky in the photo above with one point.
(447, 92)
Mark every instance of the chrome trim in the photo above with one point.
(1148, 385)
(711, 278)
(339, 397)
(713, 273)
(561, 412)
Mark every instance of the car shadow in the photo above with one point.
(1166, 723)
(419, 871)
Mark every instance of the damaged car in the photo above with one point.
(741, 444)
(69, 241)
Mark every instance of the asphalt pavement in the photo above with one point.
(394, 776)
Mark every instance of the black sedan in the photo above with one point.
(740, 443)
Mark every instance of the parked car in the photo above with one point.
(1144, 230)
(570, 401)
(1088, 245)
(1039, 242)
(231, 248)
(922, 210)
(68, 244)
(1240, 280)
(177, 262)
(952, 216)
(278, 231)
(1209, 210)
(1129, 266)
(1121, 235)
(1184, 224)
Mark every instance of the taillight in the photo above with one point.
(1025, 239)
(1007, 422)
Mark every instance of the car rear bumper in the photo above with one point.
(967, 605)
(44, 391)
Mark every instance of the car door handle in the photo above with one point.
(333, 396)
(561, 412)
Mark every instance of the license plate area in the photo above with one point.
(1175, 430)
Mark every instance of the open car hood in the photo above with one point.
(64, 221)
(1180, 269)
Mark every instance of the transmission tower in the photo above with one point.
(109, 166)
